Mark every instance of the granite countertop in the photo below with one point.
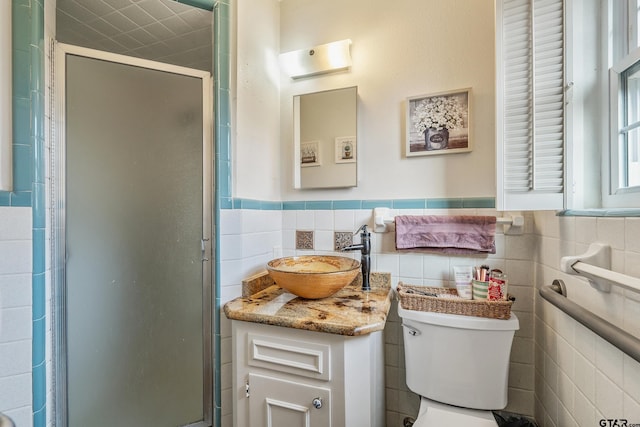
(350, 311)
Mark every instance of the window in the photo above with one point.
(530, 99)
(568, 104)
(623, 48)
(629, 168)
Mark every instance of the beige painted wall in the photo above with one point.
(256, 118)
(399, 50)
(412, 48)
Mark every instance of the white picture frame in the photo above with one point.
(345, 149)
(450, 106)
(310, 154)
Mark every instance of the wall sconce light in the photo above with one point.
(321, 59)
(6, 123)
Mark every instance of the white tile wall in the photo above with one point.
(248, 239)
(15, 314)
(593, 379)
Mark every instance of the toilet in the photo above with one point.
(459, 365)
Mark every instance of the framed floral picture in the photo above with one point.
(345, 149)
(438, 123)
(310, 154)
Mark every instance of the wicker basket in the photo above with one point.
(412, 298)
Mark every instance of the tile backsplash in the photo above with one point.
(304, 240)
(268, 229)
(342, 239)
(560, 372)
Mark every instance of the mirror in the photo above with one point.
(325, 139)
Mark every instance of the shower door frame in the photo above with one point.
(58, 221)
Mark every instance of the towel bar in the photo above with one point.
(595, 265)
(556, 294)
(381, 217)
(503, 221)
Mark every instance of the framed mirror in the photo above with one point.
(325, 139)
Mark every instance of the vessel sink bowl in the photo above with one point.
(313, 276)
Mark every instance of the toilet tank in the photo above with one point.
(458, 360)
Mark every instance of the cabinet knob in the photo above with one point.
(317, 403)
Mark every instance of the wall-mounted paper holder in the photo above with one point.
(513, 224)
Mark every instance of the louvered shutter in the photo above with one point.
(530, 104)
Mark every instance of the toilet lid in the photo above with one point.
(436, 417)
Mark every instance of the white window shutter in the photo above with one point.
(530, 104)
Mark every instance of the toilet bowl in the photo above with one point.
(459, 365)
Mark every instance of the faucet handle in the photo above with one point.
(362, 228)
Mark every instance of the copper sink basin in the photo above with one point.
(313, 276)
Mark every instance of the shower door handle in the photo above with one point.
(203, 245)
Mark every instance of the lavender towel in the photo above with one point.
(463, 234)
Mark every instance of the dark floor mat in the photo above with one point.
(510, 420)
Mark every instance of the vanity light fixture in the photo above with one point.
(321, 59)
(6, 123)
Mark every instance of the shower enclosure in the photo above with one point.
(133, 215)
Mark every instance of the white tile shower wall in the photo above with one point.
(15, 314)
(579, 377)
(248, 239)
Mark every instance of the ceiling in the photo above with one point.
(160, 30)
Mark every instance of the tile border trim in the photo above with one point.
(294, 205)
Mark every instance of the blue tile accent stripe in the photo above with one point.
(455, 203)
(222, 196)
(247, 204)
(38, 211)
(479, 203)
(319, 205)
(444, 204)
(28, 79)
(410, 204)
(29, 173)
(371, 204)
(347, 204)
(293, 206)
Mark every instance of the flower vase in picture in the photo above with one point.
(436, 139)
(440, 121)
(346, 151)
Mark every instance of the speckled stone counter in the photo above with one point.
(348, 312)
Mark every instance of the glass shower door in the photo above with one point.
(135, 312)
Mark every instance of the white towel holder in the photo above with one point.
(595, 265)
(598, 255)
(513, 224)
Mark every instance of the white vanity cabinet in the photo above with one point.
(286, 377)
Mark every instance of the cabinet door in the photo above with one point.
(278, 403)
